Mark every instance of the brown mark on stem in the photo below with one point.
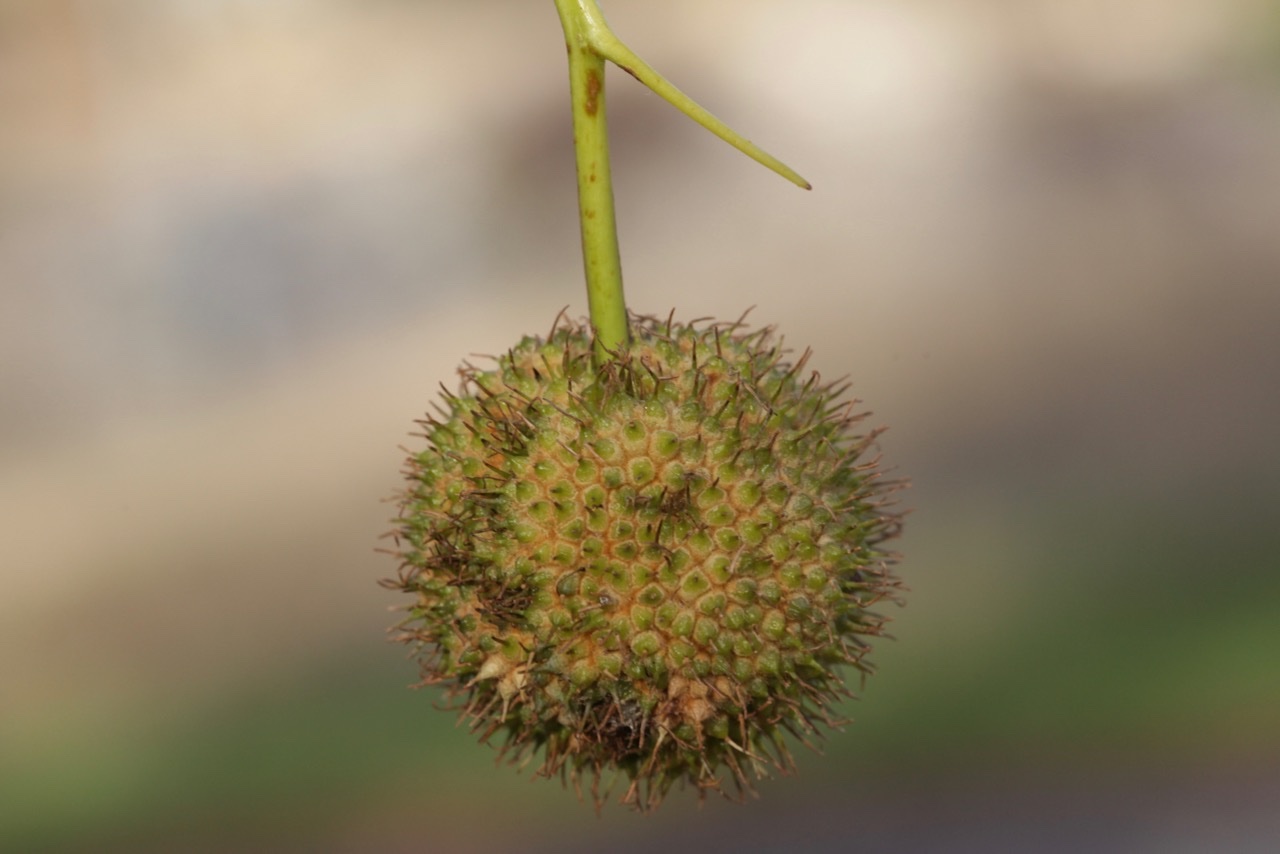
(594, 85)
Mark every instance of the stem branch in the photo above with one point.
(591, 43)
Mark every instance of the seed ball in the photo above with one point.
(658, 565)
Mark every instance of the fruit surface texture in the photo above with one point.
(657, 565)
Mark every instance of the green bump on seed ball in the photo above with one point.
(656, 566)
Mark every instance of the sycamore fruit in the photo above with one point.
(657, 565)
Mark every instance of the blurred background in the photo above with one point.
(242, 242)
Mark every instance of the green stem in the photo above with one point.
(582, 21)
(591, 43)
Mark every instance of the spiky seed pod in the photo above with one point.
(657, 566)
